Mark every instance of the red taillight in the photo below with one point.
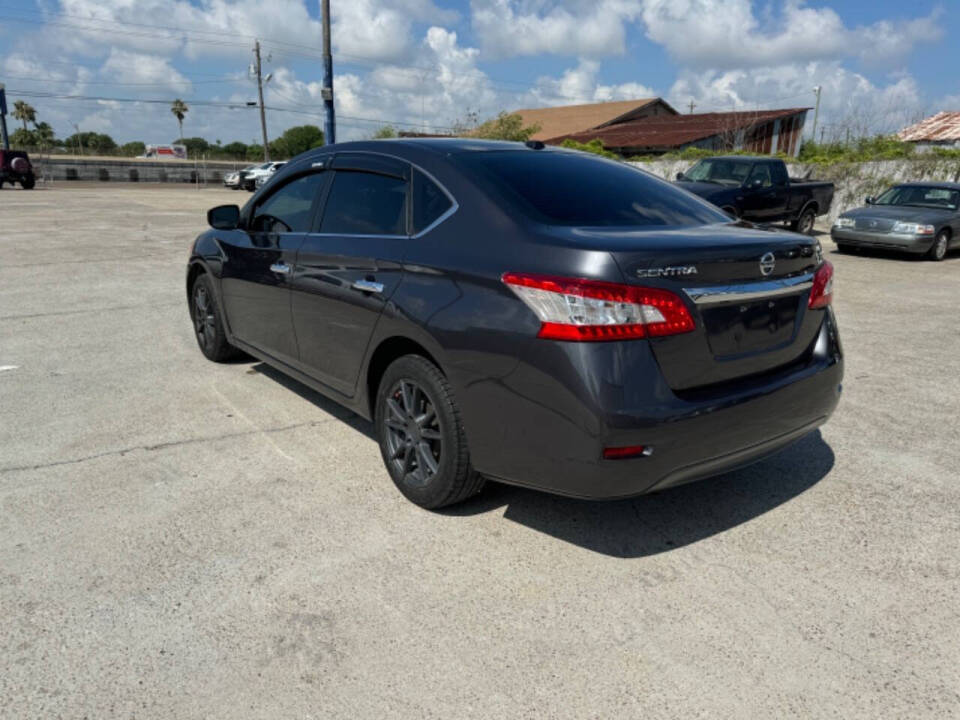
(591, 310)
(821, 294)
(621, 453)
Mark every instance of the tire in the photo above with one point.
(28, 182)
(421, 436)
(938, 251)
(208, 322)
(805, 222)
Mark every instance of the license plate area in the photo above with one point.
(741, 328)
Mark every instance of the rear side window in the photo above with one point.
(429, 202)
(571, 188)
(362, 203)
(290, 208)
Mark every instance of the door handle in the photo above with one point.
(367, 286)
(280, 267)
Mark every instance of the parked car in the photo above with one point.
(264, 177)
(758, 189)
(15, 168)
(921, 218)
(248, 178)
(538, 316)
(232, 180)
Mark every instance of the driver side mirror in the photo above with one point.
(224, 217)
(869, 200)
(681, 176)
(755, 184)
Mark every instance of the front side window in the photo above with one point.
(429, 202)
(760, 176)
(289, 209)
(722, 171)
(362, 203)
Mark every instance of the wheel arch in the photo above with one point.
(811, 203)
(388, 350)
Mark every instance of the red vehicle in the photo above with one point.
(15, 168)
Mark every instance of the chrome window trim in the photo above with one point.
(744, 292)
(416, 236)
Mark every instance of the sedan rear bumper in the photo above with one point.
(889, 241)
(692, 436)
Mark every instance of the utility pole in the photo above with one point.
(79, 139)
(329, 123)
(816, 111)
(263, 115)
(4, 138)
(692, 105)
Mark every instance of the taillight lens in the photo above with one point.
(821, 294)
(591, 310)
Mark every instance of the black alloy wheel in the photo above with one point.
(207, 325)
(421, 436)
(414, 439)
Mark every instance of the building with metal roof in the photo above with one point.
(762, 131)
(940, 130)
(567, 119)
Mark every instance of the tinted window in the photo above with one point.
(569, 188)
(722, 171)
(365, 204)
(779, 172)
(290, 208)
(760, 175)
(429, 201)
(920, 196)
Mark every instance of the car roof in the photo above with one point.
(745, 158)
(407, 147)
(932, 183)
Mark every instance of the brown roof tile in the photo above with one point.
(674, 131)
(565, 119)
(944, 126)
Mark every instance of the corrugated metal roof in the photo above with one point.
(564, 119)
(942, 127)
(675, 131)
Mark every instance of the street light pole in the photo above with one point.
(263, 115)
(329, 123)
(816, 111)
(4, 137)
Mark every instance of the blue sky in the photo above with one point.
(428, 63)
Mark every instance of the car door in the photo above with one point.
(781, 207)
(350, 266)
(259, 261)
(759, 196)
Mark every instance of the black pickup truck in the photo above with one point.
(758, 189)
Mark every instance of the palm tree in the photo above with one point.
(180, 109)
(24, 112)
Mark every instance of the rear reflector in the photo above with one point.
(620, 453)
(591, 310)
(821, 294)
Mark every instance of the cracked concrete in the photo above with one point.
(182, 539)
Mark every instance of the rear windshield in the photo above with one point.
(571, 188)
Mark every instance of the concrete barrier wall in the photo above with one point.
(55, 169)
(853, 181)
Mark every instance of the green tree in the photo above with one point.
(44, 134)
(133, 149)
(255, 152)
(23, 139)
(595, 146)
(24, 113)
(179, 109)
(97, 142)
(385, 132)
(235, 149)
(297, 140)
(505, 126)
(195, 145)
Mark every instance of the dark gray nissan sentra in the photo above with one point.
(921, 218)
(533, 315)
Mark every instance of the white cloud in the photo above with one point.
(580, 28)
(849, 101)
(148, 70)
(581, 85)
(722, 34)
(381, 30)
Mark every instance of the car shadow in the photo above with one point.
(667, 520)
(894, 255)
(638, 527)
